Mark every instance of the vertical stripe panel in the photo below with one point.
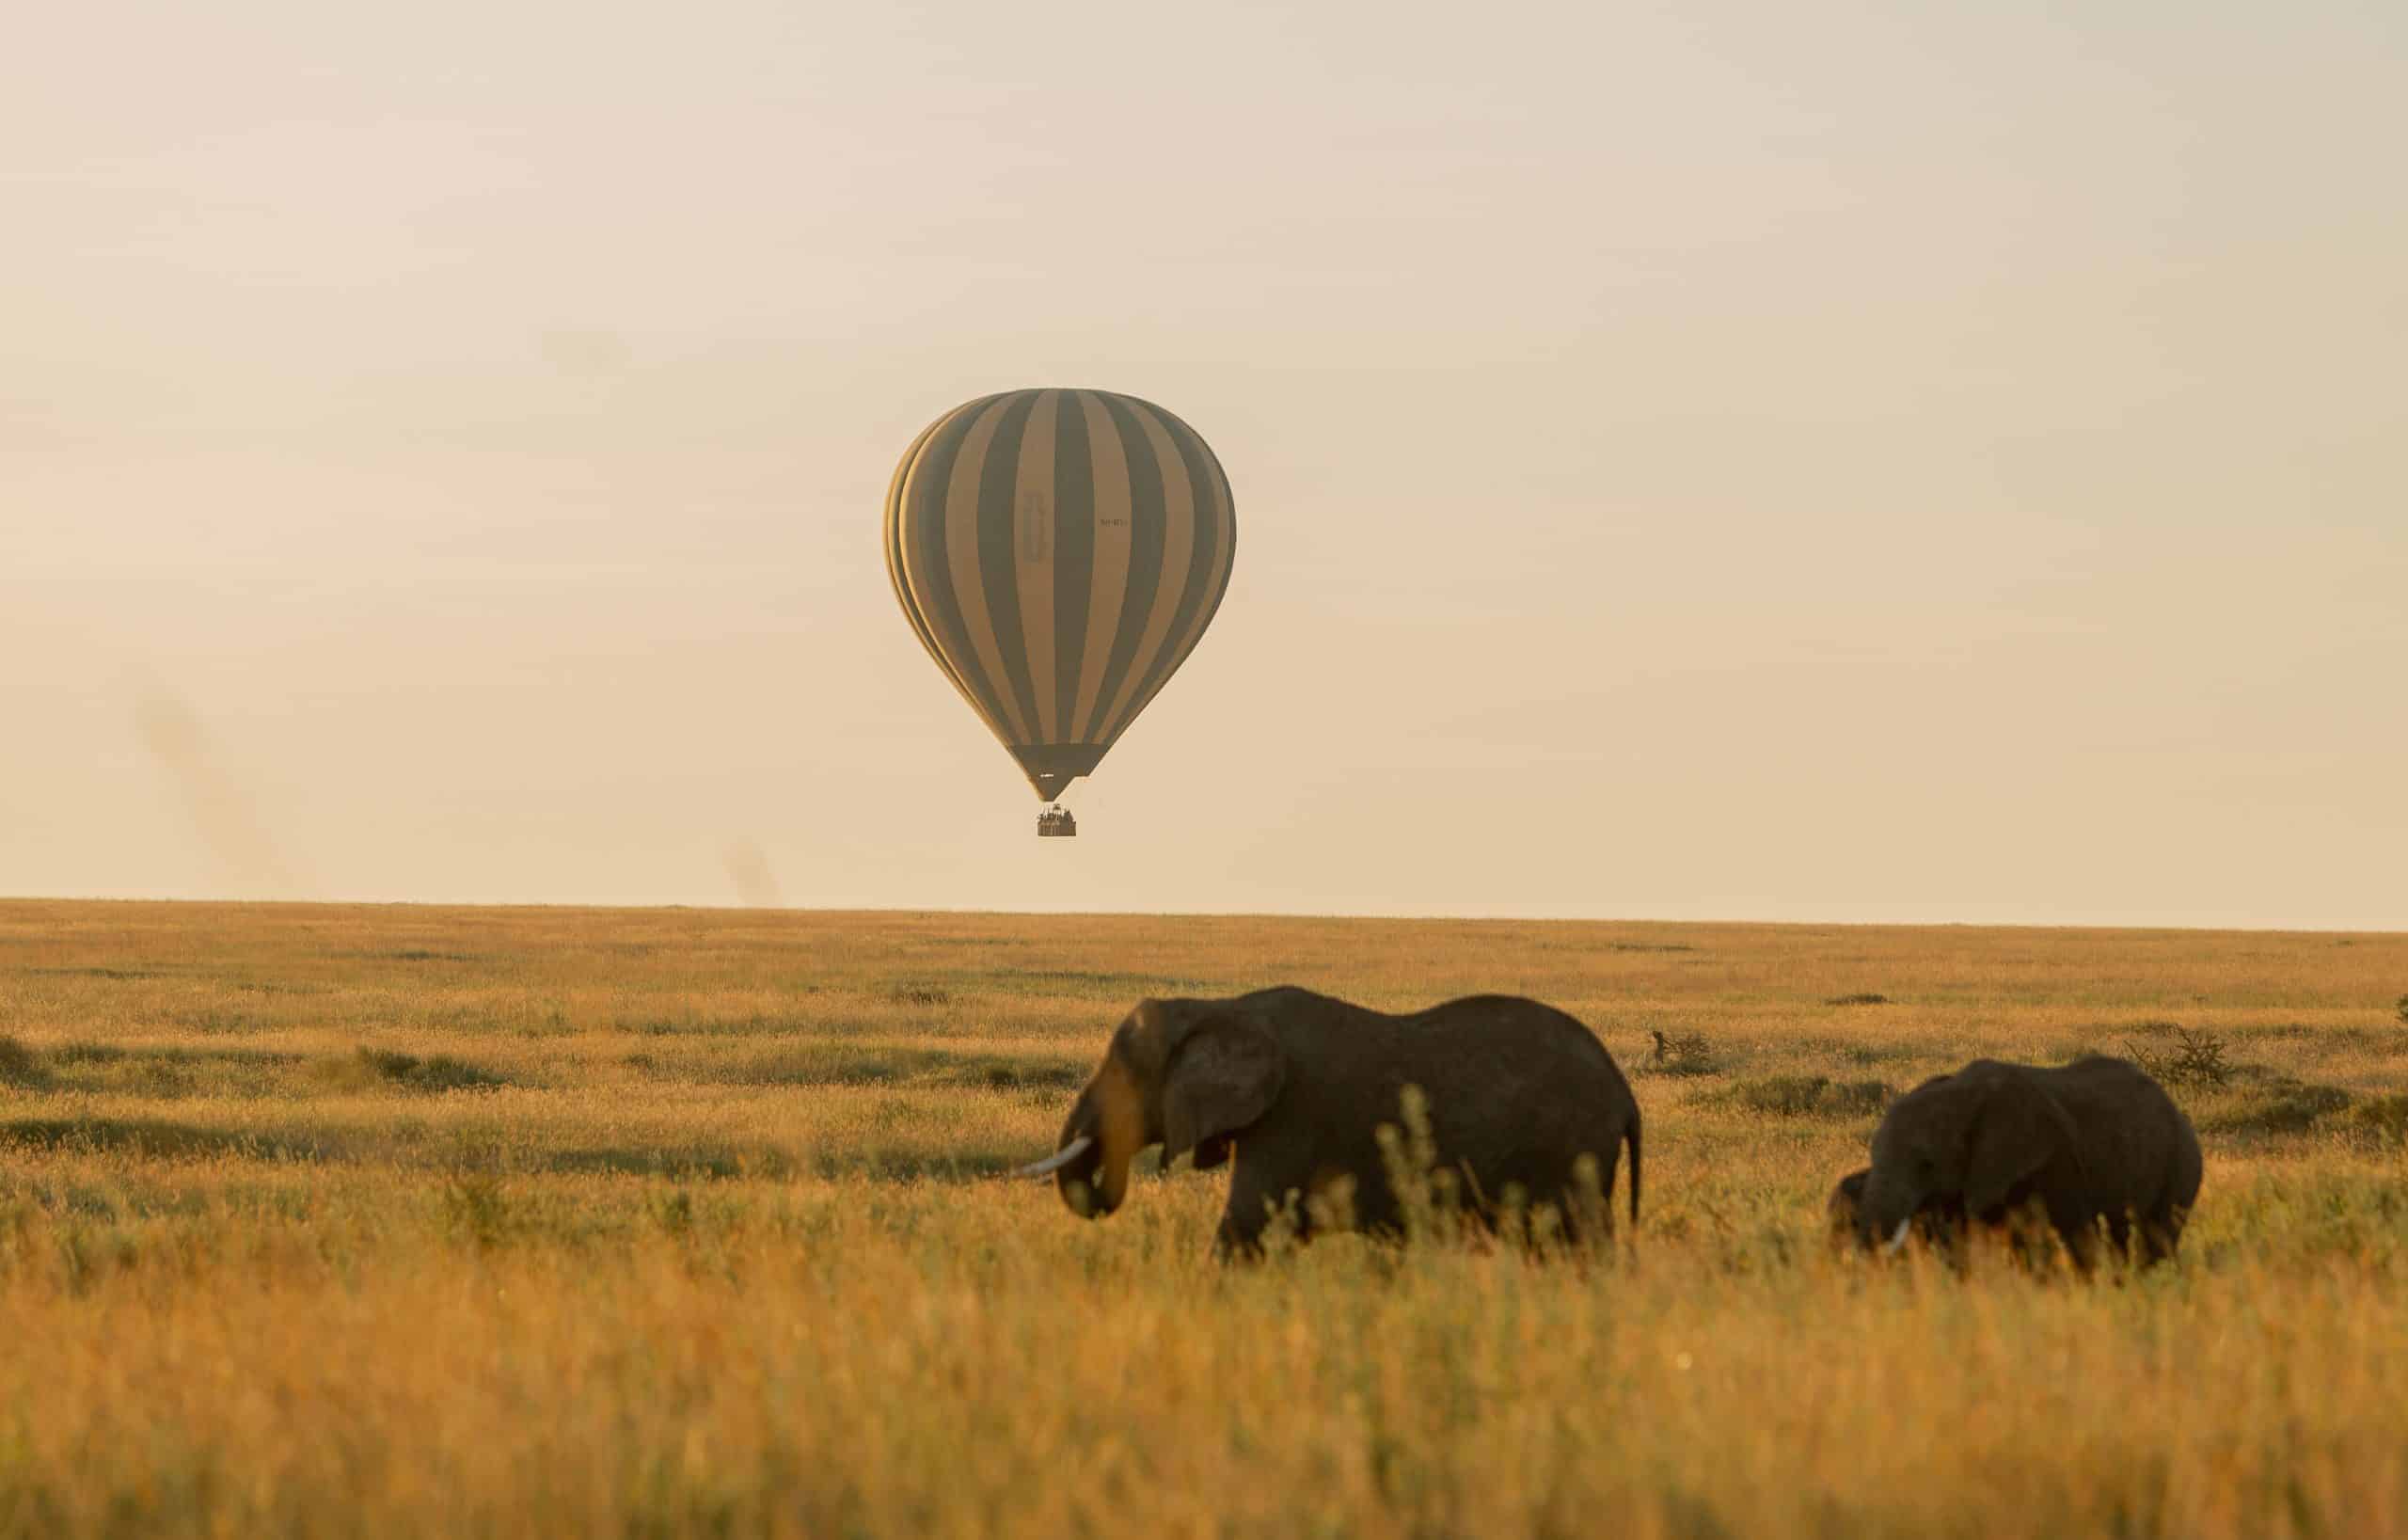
(1178, 555)
(1216, 548)
(996, 557)
(893, 526)
(927, 570)
(1112, 506)
(1215, 544)
(893, 542)
(967, 559)
(1073, 556)
(1149, 502)
(1032, 553)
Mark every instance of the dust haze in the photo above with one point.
(748, 868)
(224, 815)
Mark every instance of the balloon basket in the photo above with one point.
(1057, 824)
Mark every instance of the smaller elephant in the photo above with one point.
(1941, 1228)
(1291, 1088)
(2085, 1145)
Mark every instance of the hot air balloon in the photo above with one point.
(1059, 554)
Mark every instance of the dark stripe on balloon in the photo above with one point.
(998, 487)
(1073, 554)
(1145, 504)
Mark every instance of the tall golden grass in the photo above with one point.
(396, 1221)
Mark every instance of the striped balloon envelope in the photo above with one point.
(1059, 553)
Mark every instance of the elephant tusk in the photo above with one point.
(1897, 1236)
(1059, 1158)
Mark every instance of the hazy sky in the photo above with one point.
(1735, 459)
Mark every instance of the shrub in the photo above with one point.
(20, 1068)
(1686, 1054)
(2385, 1118)
(2196, 1058)
(1811, 1096)
(438, 1073)
(1865, 999)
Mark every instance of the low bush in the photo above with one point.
(20, 1067)
(2195, 1058)
(1689, 1054)
(440, 1073)
(1811, 1096)
(2381, 1120)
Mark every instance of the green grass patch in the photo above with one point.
(2276, 1104)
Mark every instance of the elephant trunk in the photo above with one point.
(1075, 1178)
(1888, 1212)
(1110, 1117)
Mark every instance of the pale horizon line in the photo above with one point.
(1398, 917)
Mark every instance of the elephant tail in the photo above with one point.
(1630, 1135)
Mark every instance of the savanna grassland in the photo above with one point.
(334, 1220)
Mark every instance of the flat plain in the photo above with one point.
(375, 1220)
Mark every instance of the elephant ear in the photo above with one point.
(1224, 1074)
(2018, 1130)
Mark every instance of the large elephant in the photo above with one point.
(2090, 1143)
(1295, 1085)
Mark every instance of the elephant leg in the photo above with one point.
(1253, 1201)
(2119, 1237)
(2161, 1233)
(1233, 1244)
(2084, 1245)
(2076, 1227)
(1588, 1216)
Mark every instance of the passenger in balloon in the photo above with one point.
(1054, 823)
